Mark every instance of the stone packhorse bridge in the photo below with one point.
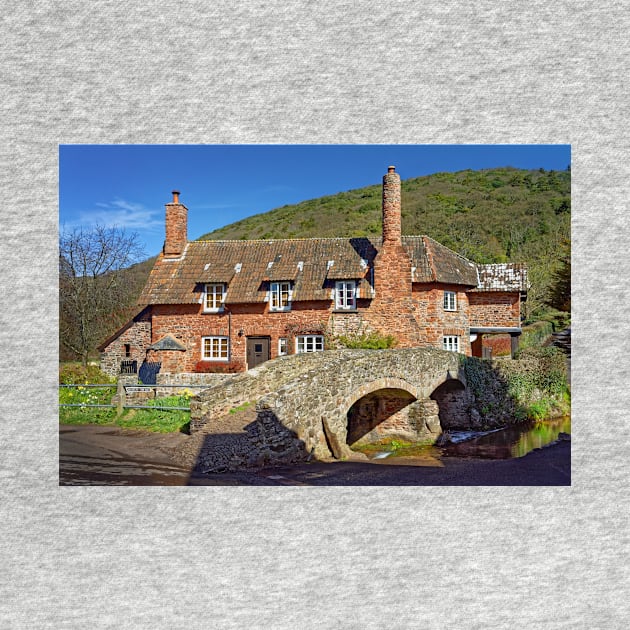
(320, 404)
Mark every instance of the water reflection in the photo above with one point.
(511, 442)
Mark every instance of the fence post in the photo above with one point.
(120, 398)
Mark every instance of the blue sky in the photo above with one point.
(128, 185)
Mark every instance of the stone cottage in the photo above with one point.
(227, 306)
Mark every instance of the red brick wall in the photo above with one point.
(391, 310)
(392, 213)
(176, 229)
(188, 324)
(491, 308)
(434, 322)
(414, 314)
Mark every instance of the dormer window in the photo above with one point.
(345, 295)
(214, 298)
(450, 301)
(280, 295)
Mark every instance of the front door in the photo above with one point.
(257, 351)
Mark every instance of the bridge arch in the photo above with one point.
(378, 408)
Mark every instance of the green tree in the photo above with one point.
(560, 287)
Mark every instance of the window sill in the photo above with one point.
(346, 310)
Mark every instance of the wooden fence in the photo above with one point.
(122, 394)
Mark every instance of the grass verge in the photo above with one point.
(158, 420)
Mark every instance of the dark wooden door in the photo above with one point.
(258, 351)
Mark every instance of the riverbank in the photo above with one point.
(98, 455)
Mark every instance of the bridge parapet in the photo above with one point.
(250, 386)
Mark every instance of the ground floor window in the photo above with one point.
(309, 343)
(215, 348)
(283, 346)
(451, 343)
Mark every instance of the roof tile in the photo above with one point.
(244, 267)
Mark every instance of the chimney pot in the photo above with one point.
(175, 196)
(391, 169)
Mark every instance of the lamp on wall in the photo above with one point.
(241, 332)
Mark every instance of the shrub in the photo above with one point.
(366, 341)
(533, 387)
(535, 334)
(76, 373)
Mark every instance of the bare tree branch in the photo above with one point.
(90, 287)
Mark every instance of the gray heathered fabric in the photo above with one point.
(327, 72)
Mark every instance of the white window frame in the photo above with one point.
(309, 343)
(346, 295)
(280, 296)
(216, 292)
(450, 343)
(283, 346)
(218, 346)
(450, 301)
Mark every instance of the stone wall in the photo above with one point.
(454, 402)
(188, 380)
(137, 336)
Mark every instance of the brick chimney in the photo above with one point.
(392, 310)
(176, 227)
(392, 219)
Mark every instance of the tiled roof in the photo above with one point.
(313, 265)
(435, 263)
(503, 277)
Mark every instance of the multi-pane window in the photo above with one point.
(215, 348)
(309, 343)
(280, 296)
(451, 343)
(283, 346)
(345, 298)
(214, 298)
(450, 301)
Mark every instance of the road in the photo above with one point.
(99, 455)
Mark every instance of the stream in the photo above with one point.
(504, 443)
